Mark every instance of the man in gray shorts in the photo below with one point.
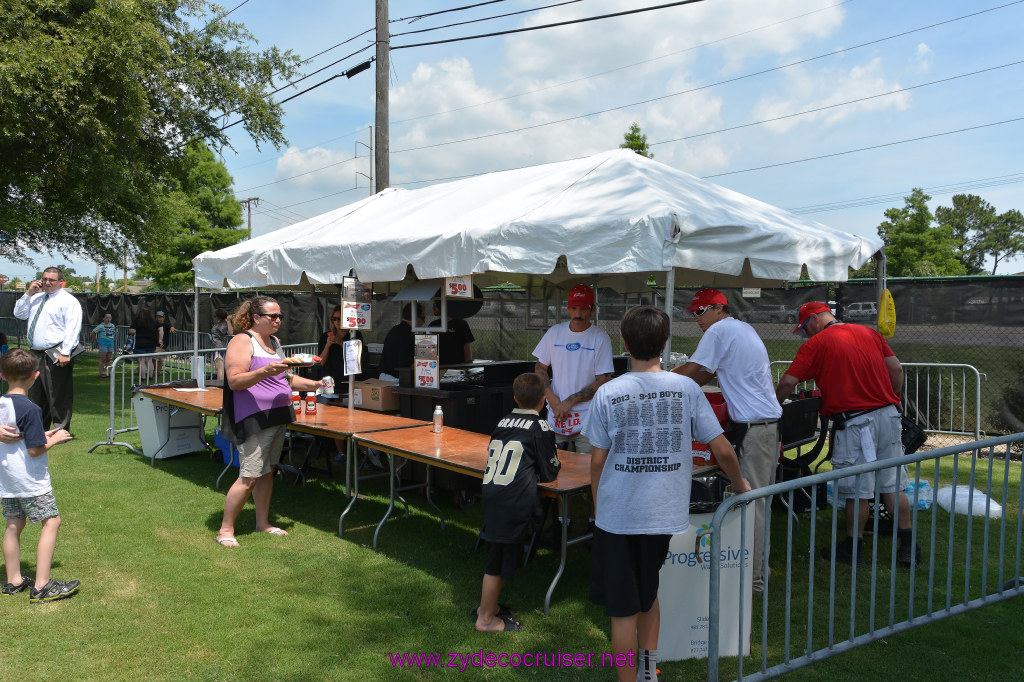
(860, 380)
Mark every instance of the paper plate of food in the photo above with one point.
(301, 360)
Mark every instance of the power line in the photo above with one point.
(838, 104)
(219, 18)
(709, 85)
(491, 18)
(954, 188)
(293, 177)
(864, 149)
(447, 11)
(620, 68)
(544, 26)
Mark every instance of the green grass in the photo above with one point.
(160, 600)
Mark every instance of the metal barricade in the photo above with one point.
(127, 371)
(943, 398)
(966, 561)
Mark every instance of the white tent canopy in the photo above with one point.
(607, 216)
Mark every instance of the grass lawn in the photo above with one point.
(161, 600)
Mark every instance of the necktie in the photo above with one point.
(35, 318)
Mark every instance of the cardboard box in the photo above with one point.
(376, 395)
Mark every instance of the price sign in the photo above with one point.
(426, 374)
(355, 315)
(459, 287)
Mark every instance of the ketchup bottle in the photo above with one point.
(296, 403)
(311, 403)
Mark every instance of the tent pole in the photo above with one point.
(670, 292)
(195, 325)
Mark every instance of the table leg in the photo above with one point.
(226, 467)
(564, 547)
(430, 501)
(350, 466)
(391, 503)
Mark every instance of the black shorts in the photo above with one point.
(624, 571)
(503, 559)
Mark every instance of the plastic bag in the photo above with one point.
(887, 315)
(923, 492)
(957, 501)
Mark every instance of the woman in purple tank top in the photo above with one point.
(257, 410)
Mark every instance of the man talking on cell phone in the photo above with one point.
(54, 322)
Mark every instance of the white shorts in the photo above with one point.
(867, 438)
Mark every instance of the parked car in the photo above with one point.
(862, 310)
(769, 312)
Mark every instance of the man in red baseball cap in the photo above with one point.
(860, 380)
(731, 350)
(580, 357)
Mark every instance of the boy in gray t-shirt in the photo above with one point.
(641, 426)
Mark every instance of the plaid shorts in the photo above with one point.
(32, 508)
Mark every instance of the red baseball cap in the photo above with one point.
(706, 297)
(806, 310)
(580, 296)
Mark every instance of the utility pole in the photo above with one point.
(249, 203)
(381, 160)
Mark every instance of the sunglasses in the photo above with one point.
(335, 319)
(273, 316)
(703, 309)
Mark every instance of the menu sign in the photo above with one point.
(356, 302)
(459, 287)
(425, 364)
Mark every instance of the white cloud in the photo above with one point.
(806, 91)
(322, 170)
(922, 60)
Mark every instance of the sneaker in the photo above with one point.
(905, 557)
(54, 590)
(844, 554)
(11, 590)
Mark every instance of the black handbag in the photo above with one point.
(913, 436)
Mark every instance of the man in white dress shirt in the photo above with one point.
(54, 322)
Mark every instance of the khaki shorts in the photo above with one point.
(260, 452)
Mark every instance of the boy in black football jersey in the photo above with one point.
(521, 454)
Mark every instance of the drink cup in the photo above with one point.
(328, 383)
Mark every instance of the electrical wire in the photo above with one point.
(222, 16)
(544, 26)
(620, 68)
(709, 85)
(836, 105)
(476, 21)
(953, 188)
(864, 149)
(293, 177)
(446, 11)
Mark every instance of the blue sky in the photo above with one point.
(733, 60)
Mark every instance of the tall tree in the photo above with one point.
(99, 98)
(637, 141)
(968, 219)
(208, 215)
(1004, 237)
(913, 247)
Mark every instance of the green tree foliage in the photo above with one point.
(913, 246)
(968, 218)
(637, 141)
(98, 99)
(208, 215)
(1004, 237)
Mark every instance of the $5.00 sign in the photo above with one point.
(459, 287)
(355, 315)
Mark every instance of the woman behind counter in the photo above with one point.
(331, 349)
(257, 402)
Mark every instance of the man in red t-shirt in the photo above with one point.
(860, 379)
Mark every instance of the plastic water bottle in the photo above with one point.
(438, 419)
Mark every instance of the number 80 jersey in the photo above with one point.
(521, 454)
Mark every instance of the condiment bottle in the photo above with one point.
(310, 403)
(438, 419)
(296, 402)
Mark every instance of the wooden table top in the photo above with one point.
(206, 401)
(335, 422)
(466, 452)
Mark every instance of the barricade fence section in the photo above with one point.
(965, 516)
(128, 372)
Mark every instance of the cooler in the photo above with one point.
(701, 451)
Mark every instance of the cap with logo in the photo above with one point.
(706, 297)
(580, 296)
(159, 313)
(806, 311)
